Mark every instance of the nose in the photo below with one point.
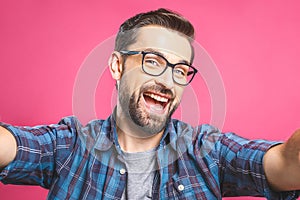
(166, 78)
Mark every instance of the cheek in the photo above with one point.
(179, 92)
(133, 79)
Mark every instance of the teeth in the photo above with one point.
(157, 98)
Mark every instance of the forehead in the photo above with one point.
(163, 40)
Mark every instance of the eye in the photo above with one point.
(152, 62)
(179, 72)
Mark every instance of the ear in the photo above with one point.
(115, 65)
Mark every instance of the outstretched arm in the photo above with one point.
(282, 164)
(8, 147)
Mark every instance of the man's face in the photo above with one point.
(149, 101)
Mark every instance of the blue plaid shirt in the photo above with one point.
(84, 162)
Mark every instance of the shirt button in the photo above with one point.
(180, 187)
(122, 171)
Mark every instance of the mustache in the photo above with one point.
(158, 89)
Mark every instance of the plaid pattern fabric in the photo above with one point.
(84, 162)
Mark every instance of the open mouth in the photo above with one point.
(156, 102)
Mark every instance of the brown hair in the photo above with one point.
(162, 17)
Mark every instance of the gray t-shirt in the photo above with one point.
(141, 168)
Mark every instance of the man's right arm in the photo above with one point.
(8, 147)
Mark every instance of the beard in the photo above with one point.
(133, 106)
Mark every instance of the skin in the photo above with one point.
(281, 163)
(8, 147)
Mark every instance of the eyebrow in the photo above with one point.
(163, 55)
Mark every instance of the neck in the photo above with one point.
(131, 143)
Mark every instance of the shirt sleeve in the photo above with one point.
(39, 150)
(241, 168)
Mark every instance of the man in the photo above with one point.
(139, 152)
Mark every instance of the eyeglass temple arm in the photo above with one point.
(130, 52)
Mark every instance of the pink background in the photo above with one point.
(254, 44)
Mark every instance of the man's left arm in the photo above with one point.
(282, 164)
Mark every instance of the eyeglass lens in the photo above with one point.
(154, 64)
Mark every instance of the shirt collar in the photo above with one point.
(108, 135)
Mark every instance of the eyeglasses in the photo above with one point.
(155, 64)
